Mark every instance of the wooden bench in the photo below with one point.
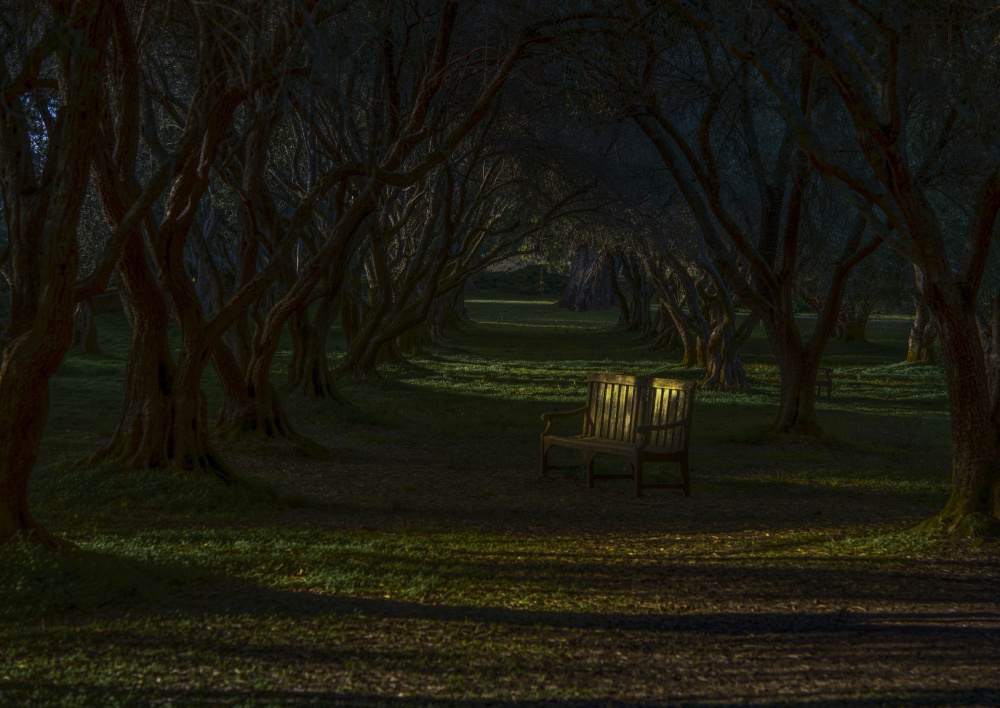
(824, 378)
(641, 419)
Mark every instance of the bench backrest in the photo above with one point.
(617, 404)
(614, 404)
(669, 401)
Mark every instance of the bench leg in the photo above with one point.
(685, 476)
(637, 478)
(589, 459)
(545, 457)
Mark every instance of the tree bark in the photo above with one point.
(688, 341)
(664, 334)
(414, 341)
(262, 413)
(799, 360)
(624, 308)
(447, 314)
(162, 426)
(163, 423)
(24, 408)
(308, 371)
(389, 331)
(589, 286)
(799, 366)
(975, 439)
(41, 219)
(84, 330)
(265, 415)
(374, 345)
(636, 317)
(691, 327)
(854, 318)
(723, 369)
(235, 397)
(923, 333)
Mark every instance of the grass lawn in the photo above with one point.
(425, 561)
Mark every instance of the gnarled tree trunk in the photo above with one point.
(139, 441)
(308, 371)
(624, 307)
(691, 327)
(164, 422)
(796, 405)
(664, 335)
(374, 345)
(414, 341)
(235, 397)
(260, 413)
(447, 314)
(688, 340)
(854, 321)
(589, 286)
(923, 333)
(975, 437)
(265, 417)
(723, 369)
(637, 315)
(41, 219)
(84, 330)
(798, 362)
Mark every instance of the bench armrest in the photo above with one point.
(549, 418)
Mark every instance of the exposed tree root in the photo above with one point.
(269, 425)
(954, 523)
(314, 381)
(23, 528)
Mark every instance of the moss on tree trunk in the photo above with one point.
(975, 439)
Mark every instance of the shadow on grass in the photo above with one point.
(318, 644)
(966, 628)
(68, 694)
(685, 660)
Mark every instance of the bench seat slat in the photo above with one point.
(611, 446)
(593, 442)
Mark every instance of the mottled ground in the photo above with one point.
(430, 562)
